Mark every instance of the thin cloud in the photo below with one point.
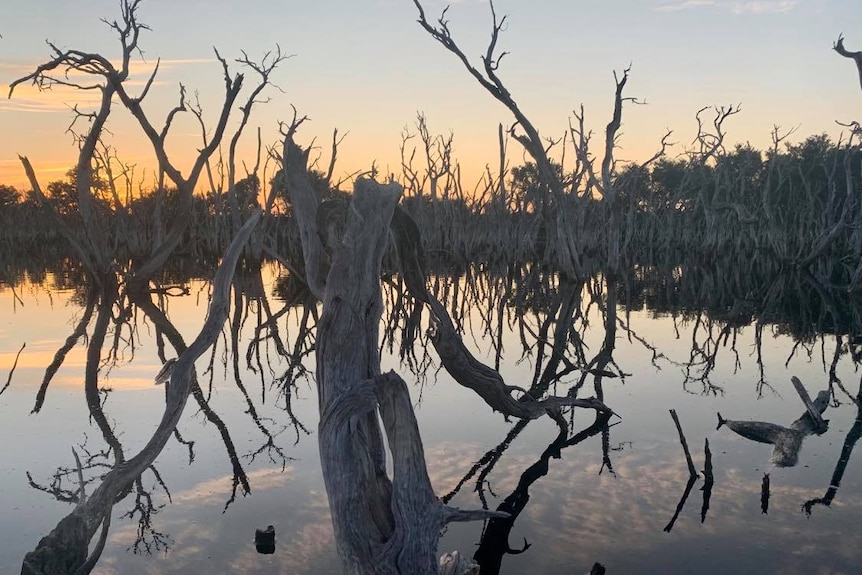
(27, 98)
(755, 7)
(26, 67)
(685, 5)
(767, 7)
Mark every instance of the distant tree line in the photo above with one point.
(796, 203)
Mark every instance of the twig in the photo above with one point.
(82, 493)
(14, 365)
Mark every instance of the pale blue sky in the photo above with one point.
(367, 67)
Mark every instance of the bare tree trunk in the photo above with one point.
(380, 525)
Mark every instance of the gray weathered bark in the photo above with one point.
(381, 525)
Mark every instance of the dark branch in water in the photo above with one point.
(12, 371)
(679, 506)
(692, 475)
(764, 494)
(843, 459)
(494, 545)
(691, 468)
(708, 479)
(458, 361)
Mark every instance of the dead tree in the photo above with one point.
(838, 46)
(603, 183)
(381, 525)
(564, 246)
(112, 81)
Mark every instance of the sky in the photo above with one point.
(367, 68)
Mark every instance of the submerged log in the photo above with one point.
(787, 440)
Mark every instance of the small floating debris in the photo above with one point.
(264, 540)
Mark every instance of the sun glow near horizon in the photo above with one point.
(369, 81)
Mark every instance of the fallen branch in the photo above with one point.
(820, 425)
(787, 440)
(691, 468)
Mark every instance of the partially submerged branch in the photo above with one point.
(692, 470)
(787, 440)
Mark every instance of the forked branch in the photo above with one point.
(838, 46)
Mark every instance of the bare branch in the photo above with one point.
(838, 46)
(660, 154)
(12, 371)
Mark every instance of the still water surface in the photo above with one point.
(610, 498)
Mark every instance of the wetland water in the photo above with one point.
(245, 455)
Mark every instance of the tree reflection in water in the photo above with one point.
(550, 317)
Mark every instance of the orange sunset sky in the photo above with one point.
(367, 68)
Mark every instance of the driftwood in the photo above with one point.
(64, 550)
(787, 440)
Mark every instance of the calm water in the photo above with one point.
(609, 498)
